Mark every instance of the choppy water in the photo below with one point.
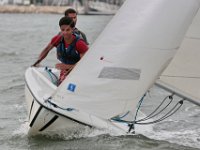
(22, 37)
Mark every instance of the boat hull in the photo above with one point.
(44, 120)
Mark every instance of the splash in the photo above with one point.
(22, 131)
(183, 136)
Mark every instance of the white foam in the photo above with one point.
(22, 130)
(183, 137)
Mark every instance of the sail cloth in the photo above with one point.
(127, 57)
(182, 76)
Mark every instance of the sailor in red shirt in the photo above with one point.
(70, 48)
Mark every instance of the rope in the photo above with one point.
(118, 118)
(56, 106)
(131, 126)
(151, 115)
(54, 78)
(156, 112)
(170, 113)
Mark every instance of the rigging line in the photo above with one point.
(180, 76)
(139, 105)
(189, 37)
(50, 71)
(159, 120)
(153, 113)
(170, 113)
(131, 126)
(119, 117)
(51, 74)
(56, 106)
(52, 80)
(150, 115)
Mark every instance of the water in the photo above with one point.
(22, 37)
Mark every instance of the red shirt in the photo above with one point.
(81, 46)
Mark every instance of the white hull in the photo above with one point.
(43, 119)
(46, 116)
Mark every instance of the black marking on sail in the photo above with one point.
(35, 117)
(49, 123)
(31, 109)
(120, 73)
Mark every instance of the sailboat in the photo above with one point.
(126, 60)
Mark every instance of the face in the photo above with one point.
(73, 16)
(66, 31)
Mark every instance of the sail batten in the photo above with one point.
(128, 56)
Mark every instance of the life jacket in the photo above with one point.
(68, 55)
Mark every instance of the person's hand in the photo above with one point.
(36, 64)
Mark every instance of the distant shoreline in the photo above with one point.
(34, 9)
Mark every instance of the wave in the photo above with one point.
(13, 87)
(183, 135)
(10, 54)
(83, 133)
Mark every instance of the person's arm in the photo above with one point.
(54, 41)
(43, 54)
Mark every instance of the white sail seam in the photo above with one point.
(173, 76)
(157, 48)
(194, 38)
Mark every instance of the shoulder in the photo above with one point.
(81, 46)
(81, 34)
(76, 31)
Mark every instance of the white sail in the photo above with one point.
(183, 74)
(127, 57)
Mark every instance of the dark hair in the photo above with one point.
(70, 10)
(66, 21)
